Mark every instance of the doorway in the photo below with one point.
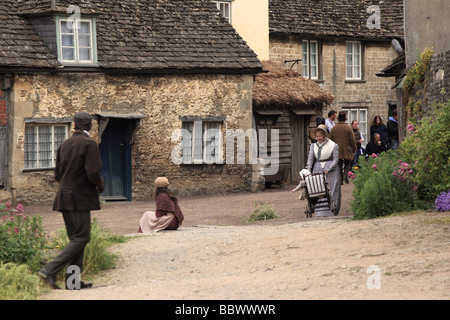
(115, 150)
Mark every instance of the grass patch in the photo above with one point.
(96, 255)
(18, 282)
(263, 211)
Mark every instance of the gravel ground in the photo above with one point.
(217, 256)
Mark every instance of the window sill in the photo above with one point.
(38, 169)
(355, 81)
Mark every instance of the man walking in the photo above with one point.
(343, 135)
(78, 171)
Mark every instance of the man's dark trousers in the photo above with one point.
(78, 226)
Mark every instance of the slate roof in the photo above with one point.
(336, 18)
(136, 35)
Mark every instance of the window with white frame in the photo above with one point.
(42, 143)
(353, 58)
(202, 142)
(77, 41)
(359, 114)
(224, 8)
(310, 59)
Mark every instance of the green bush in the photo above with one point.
(428, 147)
(383, 185)
(22, 239)
(18, 282)
(262, 212)
(96, 254)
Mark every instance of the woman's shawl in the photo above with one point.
(165, 203)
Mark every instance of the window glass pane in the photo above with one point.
(348, 47)
(84, 28)
(305, 59)
(212, 139)
(85, 54)
(84, 40)
(187, 142)
(198, 141)
(66, 27)
(67, 40)
(313, 47)
(68, 54)
(45, 146)
(363, 125)
(349, 65)
(30, 147)
(353, 115)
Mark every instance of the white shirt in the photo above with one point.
(329, 124)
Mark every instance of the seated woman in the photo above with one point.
(168, 215)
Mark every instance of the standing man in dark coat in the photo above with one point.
(78, 171)
(343, 135)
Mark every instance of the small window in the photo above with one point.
(359, 114)
(77, 41)
(353, 70)
(202, 143)
(310, 59)
(42, 143)
(224, 8)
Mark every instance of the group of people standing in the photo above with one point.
(337, 146)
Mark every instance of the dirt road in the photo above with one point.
(216, 255)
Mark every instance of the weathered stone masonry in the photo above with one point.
(163, 99)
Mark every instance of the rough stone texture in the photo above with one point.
(162, 99)
(437, 84)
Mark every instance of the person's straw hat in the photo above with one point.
(321, 127)
(161, 182)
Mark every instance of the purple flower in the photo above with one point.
(442, 203)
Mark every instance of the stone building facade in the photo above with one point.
(164, 81)
(164, 100)
(318, 46)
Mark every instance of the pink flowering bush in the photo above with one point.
(427, 149)
(383, 185)
(22, 239)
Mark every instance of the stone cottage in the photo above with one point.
(165, 80)
(341, 45)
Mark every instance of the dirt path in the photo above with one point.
(287, 258)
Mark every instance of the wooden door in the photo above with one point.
(299, 140)
(115, 151)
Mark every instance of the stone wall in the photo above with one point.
(372, 92)
(437, 83)
(162, 99)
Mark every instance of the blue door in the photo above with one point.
(115, 151)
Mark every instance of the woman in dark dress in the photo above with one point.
(168, 215)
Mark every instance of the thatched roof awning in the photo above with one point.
(287, 89)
